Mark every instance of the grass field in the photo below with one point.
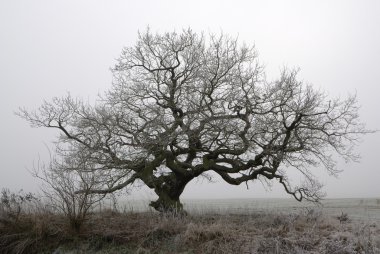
(211, 226)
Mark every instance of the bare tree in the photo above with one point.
(183, 105)
(62, 178)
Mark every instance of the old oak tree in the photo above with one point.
(183, 105)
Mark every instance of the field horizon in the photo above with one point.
(356, 208)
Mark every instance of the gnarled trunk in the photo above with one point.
(168, 193)
(167, 203)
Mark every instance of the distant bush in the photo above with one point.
(343, 217)
(12, 204)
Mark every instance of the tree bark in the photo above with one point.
(167, 203)
(168, 193)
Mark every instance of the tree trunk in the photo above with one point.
(168, 193)
(167, 203)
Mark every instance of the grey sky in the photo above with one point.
(48, 48)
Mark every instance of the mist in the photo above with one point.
(50, 48)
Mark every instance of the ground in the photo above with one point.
(307, 231)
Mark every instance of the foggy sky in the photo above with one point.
(49, 48)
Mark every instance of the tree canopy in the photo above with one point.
(183, 105)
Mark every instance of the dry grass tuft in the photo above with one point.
(31, 233)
